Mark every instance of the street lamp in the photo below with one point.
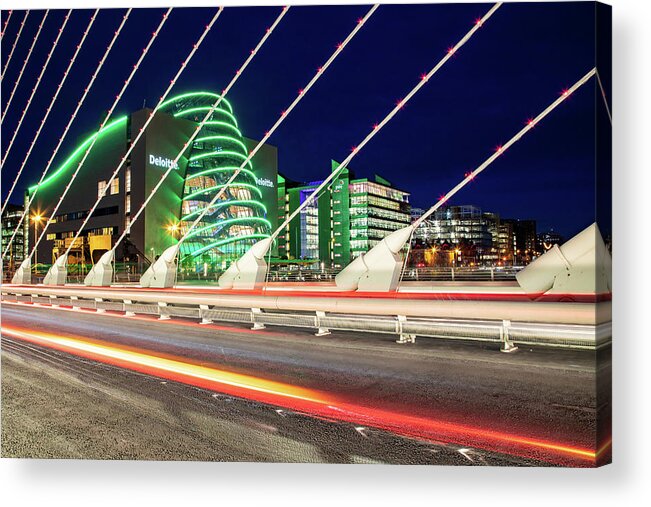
(37, 219)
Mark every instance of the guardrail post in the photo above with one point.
(507, 344)
(404, 337)
(72, 303)
(161, 312)
(99, 310)
(204, 319)
(256, 325)
(452, 273)
(127, 313)
(322, 331)
(492, 274)
(53, 303)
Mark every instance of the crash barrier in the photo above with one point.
(406, 322)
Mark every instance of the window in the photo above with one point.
(101, 188)
(127, 204)
(115, 186)
(127, 180)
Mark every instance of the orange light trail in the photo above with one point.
(308, 401)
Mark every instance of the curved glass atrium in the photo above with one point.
(237, 220)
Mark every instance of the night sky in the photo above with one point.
(517, 64)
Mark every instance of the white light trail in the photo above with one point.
(4, 27)
(387, 118)
(38, 82)
(13, 48)
(101, 128)
(22, 70)
(501, 149)
(65, 131)
(320, 71)
(142, 130)
(49, 108)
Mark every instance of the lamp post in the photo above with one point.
(37, 219)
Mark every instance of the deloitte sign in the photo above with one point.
(163, 162)
(264, 182)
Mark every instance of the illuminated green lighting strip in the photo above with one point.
(217, 244)
(234, 185)
(224, 124)
(246, 202)
(75, 153)
(230, 221)
(226, 153)
(197, 94)
(206, 108)
(220, 170)
(224, 138)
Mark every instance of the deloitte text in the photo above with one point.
(163, 162)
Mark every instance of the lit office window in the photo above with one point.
(127, 180)
(127, 204)
(115, 186)
(101, 188)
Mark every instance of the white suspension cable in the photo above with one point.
(101, 128)
(387, 118)
(4, 27)
(320, 71)
(603, 95)
(67, 128)
(501, 149)
(142, 130)
(22, 70)
(13, 48)
(38, 82)
(51, 105)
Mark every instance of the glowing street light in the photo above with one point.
(36, 219)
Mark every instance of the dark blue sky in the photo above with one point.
(509, 71)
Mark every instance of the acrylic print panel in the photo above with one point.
(342, 234)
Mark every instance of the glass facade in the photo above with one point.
(348, 219)
(238, 219)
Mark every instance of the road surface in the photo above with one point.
(368, 399)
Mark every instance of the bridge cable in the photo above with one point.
(320, 71)
(49, 108)
(13, 48)
(31, 97)
(22, 70)
(142, 129)
(377, 127)
(67, 128)
(101, 128)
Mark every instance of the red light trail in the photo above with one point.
(309, 401)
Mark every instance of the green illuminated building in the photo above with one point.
(245, 212)
(348, 218)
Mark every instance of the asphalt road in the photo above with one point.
(58, 405)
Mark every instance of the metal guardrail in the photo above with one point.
(506, 334)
